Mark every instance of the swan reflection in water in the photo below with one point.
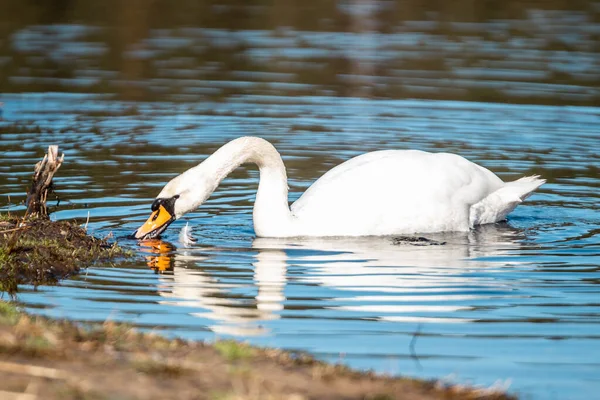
(184, 283)
(398, 276)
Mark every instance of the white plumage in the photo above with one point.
(185, 236)
(380, 193)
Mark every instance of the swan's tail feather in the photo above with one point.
(525, 186)
(497, 205)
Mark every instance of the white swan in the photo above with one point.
(380, 193)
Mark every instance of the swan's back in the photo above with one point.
(392, 191)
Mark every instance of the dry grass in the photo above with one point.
(50, 359)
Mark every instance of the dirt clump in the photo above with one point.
(39, 251)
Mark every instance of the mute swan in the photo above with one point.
(379, 193)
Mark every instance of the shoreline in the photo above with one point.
(61, 359)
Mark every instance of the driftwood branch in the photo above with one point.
(41, 183)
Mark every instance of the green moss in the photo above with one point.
(9, 313)
(153, 367)
(6, 258)
(220, 395)
(37, 344)
(234, 351)
(8, 282)
(6, 218)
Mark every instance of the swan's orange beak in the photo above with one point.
(155, 225)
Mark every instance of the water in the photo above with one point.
(515, 302)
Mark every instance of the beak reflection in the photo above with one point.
(161, 257)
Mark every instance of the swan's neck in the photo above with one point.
(272, 216)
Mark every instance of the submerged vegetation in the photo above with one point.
(38, 251)
(52, 359)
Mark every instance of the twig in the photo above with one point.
(86, 221)
(16, 229)
(14, 238)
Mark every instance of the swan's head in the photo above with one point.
(163, 213)
(180, 196)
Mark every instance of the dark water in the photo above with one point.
(542, 52)
(516, 303)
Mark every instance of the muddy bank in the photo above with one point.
(52, 359)
(40, 252)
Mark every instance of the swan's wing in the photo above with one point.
(396, 190)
